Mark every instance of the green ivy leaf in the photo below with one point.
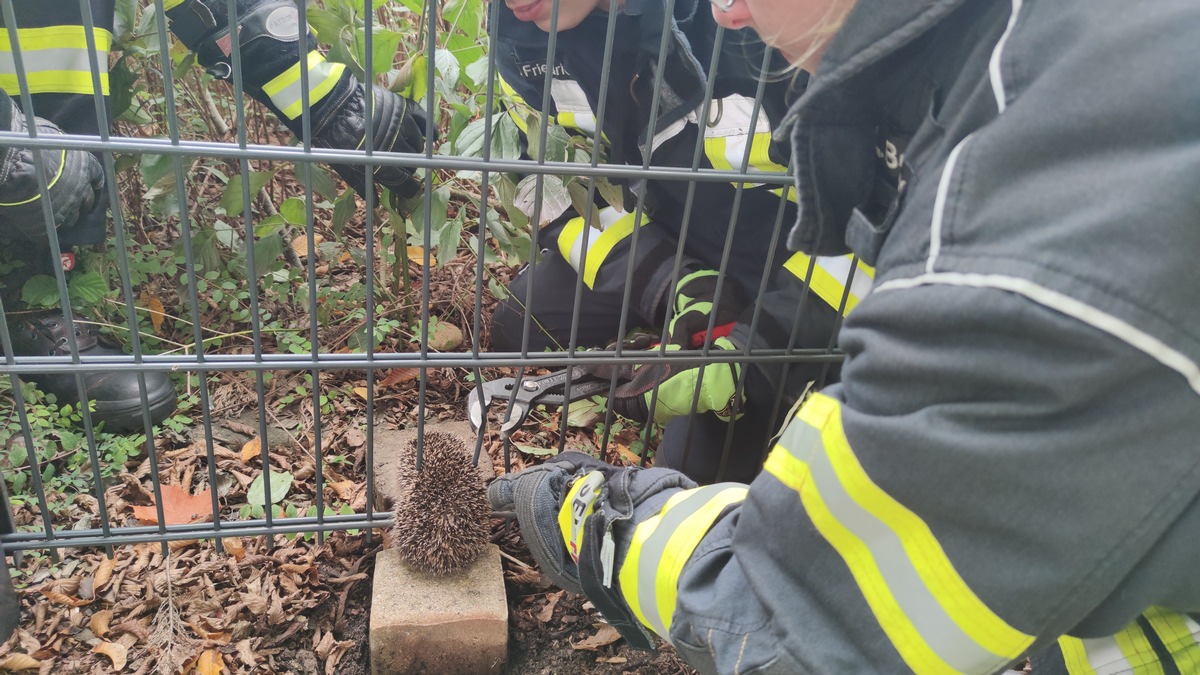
(87, 288)
(40, 290)
(266, 250)
(281, 482)
(343, 208)
(231, 201)
(536, 451)
(292, 210)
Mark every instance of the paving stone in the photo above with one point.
(426, 624)
(389, 443)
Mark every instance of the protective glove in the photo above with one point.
(577, 515)
(269, 39)
(693, 303)
(74, 180)
(676, 384)
(536, 494)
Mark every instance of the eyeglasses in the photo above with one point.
(722, 5)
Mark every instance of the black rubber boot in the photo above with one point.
(118, 400)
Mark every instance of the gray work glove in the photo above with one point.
(536, 495)
(577, 515)
(74, 180)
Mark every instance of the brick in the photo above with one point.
(426, 624)
(388, 445)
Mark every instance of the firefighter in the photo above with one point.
(53, 42)
(1009, 464)
(701, 216)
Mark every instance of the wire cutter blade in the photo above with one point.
(544, 390)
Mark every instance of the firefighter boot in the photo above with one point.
(118, 401)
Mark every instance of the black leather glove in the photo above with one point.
(577, 515)
(74, 179)
(398, 126)
(269, 39)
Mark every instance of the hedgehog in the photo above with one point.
(441, 523)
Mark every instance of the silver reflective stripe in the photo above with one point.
(1105, 657)
(920, 607)
(656, 545)
(55, 60)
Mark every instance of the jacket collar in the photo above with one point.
(832, 126)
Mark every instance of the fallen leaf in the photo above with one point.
(355, 437)
(154, 306)
(628, 455)
(104, 573)
(99, 622)
(548, 611)
(606, 635)
(210, 663)
(300, 244)
(416, 254)
(252, 449)
(234, 547)
(63, 598)
(344, 489)
(297, 569)
(19, 662)
(362, 392)
(398, 376)
(179, 507)
(116, 652)
(612, 659)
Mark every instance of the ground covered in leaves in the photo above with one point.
(279, 605)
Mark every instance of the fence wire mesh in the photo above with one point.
(254, 221)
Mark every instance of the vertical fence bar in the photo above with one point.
(589, 207)
(56, 255)
(10, 605)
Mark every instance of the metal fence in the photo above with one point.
(474, 361)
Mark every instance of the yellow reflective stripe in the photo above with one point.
(286, 91)
(1179, 635)
(1129, 651)
(62, 160)
(760, 154)
(791, 194)
(569, 241)
(1136, 649)
(714, 149)
(56, 60)
(934, 620)
(578, 505)
(519, 109)
(1075, 656)
(608, 239)
(662, 545)
(829, 276)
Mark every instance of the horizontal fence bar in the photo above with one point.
(219, 362)
(153, 146)
(120, 536)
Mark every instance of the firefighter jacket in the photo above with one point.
(1011, 455)
(736, 134)
(64, 54)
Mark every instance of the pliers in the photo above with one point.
(544, 390)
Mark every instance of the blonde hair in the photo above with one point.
(821, 34)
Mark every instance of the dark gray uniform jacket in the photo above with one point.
(705, 211)
(1013, 453)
